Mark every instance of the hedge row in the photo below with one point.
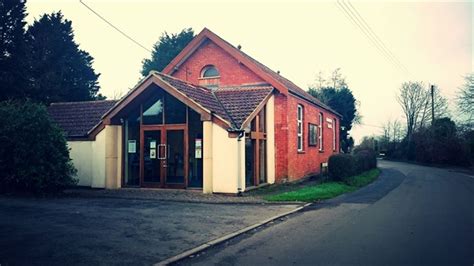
(343, 166)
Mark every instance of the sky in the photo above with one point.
(427, 41)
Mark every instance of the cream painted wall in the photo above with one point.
(113, 156)
(80, 153)
(98, 161)
(224, 163)
(270, 126)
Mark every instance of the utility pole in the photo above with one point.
(432, 104)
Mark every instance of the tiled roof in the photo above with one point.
(201, 95)
(78, 118)
(240, 102)
(233, 104)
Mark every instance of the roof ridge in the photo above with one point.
(223, 108)
(243, 88)
(80, 102)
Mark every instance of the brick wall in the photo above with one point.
(231, 71)
(290, 164)
(308, 161)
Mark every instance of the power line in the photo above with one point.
(354, 16)
(382, 44)
(114, 27)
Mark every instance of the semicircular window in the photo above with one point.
(209, 72)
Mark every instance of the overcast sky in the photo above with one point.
(431, 40)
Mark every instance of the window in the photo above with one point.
(313, 135)
(320, 132)
(334, 134)
(209, 72)
(300, 127)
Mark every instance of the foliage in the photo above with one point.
(326, 190)
(60, 71)
(365, 160)
(34, 157)
(13, 83)
(341, 166)
(440, 144)
(337, 95)
(466, 97)
(167, 48)
(416, 102)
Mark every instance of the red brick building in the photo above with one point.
(215, 119)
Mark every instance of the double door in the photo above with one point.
(164, 160)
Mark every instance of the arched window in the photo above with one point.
(209, 72)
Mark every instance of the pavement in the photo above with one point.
(411, 215)
(115, 231)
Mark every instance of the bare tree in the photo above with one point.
(465, 98)
(413, 99)
(440, 108)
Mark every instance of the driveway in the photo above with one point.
(111, 231)
(411, 215)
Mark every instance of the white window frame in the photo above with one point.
(300, 128)
(320, 131)
(334, 134)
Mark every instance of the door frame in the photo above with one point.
(164, 129)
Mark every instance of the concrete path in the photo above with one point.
(412, 215)
(109, 231)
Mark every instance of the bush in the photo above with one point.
(365, 160)
(341, 167)
(34, 157)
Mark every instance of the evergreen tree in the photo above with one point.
(167, 48)
(13, 79)
(60, 71)
(336, 94)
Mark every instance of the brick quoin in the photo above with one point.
(290, 164)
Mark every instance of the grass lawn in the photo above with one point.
(326, 190)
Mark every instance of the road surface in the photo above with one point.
(412, 215)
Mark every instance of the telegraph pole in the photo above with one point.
(432, 104)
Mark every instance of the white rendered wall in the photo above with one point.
(81, 155)
(224, 162)
(270, 126)
(98, 161)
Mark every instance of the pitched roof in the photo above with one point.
(78, 118)
(240, 102)
(233, 104)
(265, 72)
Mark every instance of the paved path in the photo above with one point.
(412, 215)
(110, 231)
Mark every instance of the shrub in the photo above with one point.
(34, 157)
(365, 160)
(341, 167)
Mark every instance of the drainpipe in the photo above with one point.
(239, 161)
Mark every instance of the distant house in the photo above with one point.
(215, 119)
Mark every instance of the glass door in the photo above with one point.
(152, 158)
(175, 158)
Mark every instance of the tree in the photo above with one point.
(167, 48)
(13, 79)
(34, 156)
(415, 100)
(339, 97)
(60, 71)
(465, 98)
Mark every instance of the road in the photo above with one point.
(412, 215)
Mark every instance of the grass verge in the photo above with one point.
(326, 190)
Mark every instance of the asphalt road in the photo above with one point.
(412, 215)
(106, 231)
